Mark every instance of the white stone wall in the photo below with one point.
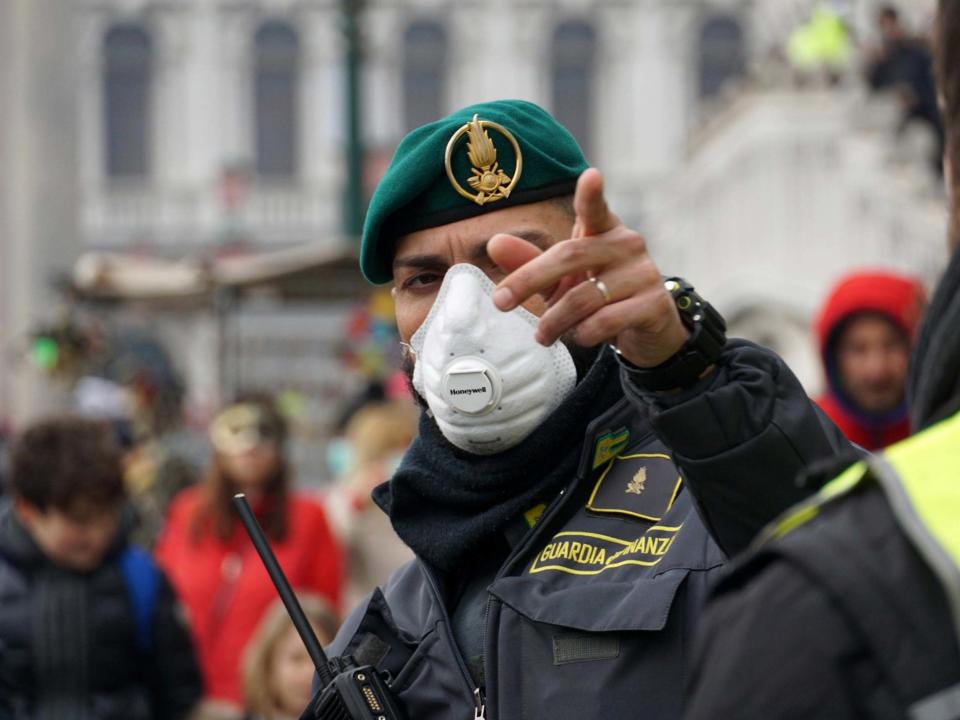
(38, 146)
(784, 194)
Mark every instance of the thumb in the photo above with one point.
(593, 214)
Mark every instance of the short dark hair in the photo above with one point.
(947, 66)
(60, 461)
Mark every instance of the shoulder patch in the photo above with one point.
(609, 445)
(533, 515)
(642, 486)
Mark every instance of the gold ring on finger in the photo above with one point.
(602, 288)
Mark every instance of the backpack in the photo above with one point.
(142, 577)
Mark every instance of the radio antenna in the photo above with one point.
(290, 602)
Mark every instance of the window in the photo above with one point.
(275, 85)
(572, 64)
(424, 64)
(126, 78)
(721, 54)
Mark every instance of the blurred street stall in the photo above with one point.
(279, 321)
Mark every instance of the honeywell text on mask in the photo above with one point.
(468, 391)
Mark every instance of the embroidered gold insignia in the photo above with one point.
(639, 482)
(488, 180)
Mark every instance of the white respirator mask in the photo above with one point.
(488, 383)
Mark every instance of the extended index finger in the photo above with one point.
(593, 214)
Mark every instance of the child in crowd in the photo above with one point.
(277, 670)
(89, 626)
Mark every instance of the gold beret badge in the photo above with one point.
(487, 179)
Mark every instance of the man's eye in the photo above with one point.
(421, 280)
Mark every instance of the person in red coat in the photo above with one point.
(865, 330)
(211, 561)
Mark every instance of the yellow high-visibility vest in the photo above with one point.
(920, 477)
(823, 41)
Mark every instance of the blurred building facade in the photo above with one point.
(217, 124)
(211, 122)
(212, 127)
(792, 180)
(216, 127)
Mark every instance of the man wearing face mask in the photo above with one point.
(562, 559)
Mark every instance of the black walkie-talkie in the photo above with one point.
(349, 691)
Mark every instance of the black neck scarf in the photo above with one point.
(445, 503)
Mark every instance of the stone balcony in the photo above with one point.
(172, 220)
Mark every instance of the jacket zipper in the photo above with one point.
(480, 708)
(479, 701)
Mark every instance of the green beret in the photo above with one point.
(479, 159)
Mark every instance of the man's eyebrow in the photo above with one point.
(419, 261)
(536, 237)
(478, 253)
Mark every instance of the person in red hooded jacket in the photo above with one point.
(211, 561)
(865, 330)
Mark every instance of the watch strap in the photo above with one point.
(702, 349)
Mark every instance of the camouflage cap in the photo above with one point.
(480, 159)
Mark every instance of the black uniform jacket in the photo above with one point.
(838, 619)
(593, 613)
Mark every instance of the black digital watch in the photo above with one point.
(708, 335)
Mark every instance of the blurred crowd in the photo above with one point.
(129, 551)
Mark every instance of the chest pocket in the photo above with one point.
(627, 525)
(598, 621)
(595, 649)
